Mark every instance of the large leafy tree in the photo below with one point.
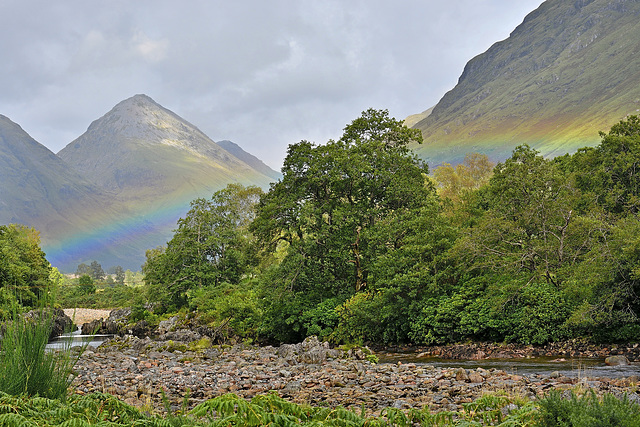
(24, 270)
(321, 214)
(211, 245)
(610, 172)
(530, 227)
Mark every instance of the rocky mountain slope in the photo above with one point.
(37, 186)
(146, 153)
(119, 188)
(571, 69)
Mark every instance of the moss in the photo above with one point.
(200, 345)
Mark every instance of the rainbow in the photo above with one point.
(123, 241)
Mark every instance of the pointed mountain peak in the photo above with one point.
(141, 118)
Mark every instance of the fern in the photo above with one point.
(15, 420)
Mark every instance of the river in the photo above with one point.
(579, 367)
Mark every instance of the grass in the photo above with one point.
(27, 368)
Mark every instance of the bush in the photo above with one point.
(27, 368)
(587, 411)
(234, 307)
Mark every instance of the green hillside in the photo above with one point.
(570, 70)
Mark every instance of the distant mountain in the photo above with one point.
(154, 163)
(146, 154)
(39, 190)
(118, 189)
(571, 69)
(249, 159)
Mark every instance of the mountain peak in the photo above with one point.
(143, 120)
(140, 145)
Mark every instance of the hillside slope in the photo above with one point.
(39, 190)
(145, 153)
(571, 69)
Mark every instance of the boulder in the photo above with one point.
(92, 327)
(60, 322)
(618, 360)
(141, 329)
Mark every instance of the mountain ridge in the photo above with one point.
(569, 70)
(119, 188)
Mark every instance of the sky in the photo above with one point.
(263, 74)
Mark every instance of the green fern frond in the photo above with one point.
(15, 420)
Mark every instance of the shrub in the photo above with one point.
(26, 367)
(587, 411)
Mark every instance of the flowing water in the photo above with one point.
(76, 338)
(579, 367)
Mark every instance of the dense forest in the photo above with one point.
(360, 243)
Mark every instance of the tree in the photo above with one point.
(96, 271)
(473, 173)
(120, 275)
(530, 227)
(83, 269)
(24, 270)
(610, 172)
(322, 211)
(86, 284)
(212, 245)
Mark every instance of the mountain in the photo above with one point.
(41, 191)
(249, 159)
(119, 188)
(153, 163)
(570, 70)
(145, 153)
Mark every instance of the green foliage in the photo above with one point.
(354, 245)
(86, 285)
(609, 172)
(212, 245)
(323, 210)
(26, 367)
(232, 310)
(587, 411)
(99, 409)
(24, 270)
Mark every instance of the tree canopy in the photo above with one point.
(24, 270)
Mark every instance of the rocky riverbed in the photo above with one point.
(138, 370)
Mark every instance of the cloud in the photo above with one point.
(263, 74)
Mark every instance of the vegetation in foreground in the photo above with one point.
(99, 409)
(26, 367)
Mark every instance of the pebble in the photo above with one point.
(140, 377)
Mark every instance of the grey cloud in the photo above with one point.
(263, 74)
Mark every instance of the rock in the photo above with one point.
(475, 377)
(168, 325)
(60, 322)
(461, 374)
(141, 329)
(181, 335)
(92, 327)
(617, 360)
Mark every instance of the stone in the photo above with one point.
(617, 360)
(461, 375)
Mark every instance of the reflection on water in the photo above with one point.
(592, 367)
(74, 339)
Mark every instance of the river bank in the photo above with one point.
(183, 362)
(139, 370)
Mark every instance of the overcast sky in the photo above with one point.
(264, 74)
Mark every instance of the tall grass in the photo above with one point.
(26, 367)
